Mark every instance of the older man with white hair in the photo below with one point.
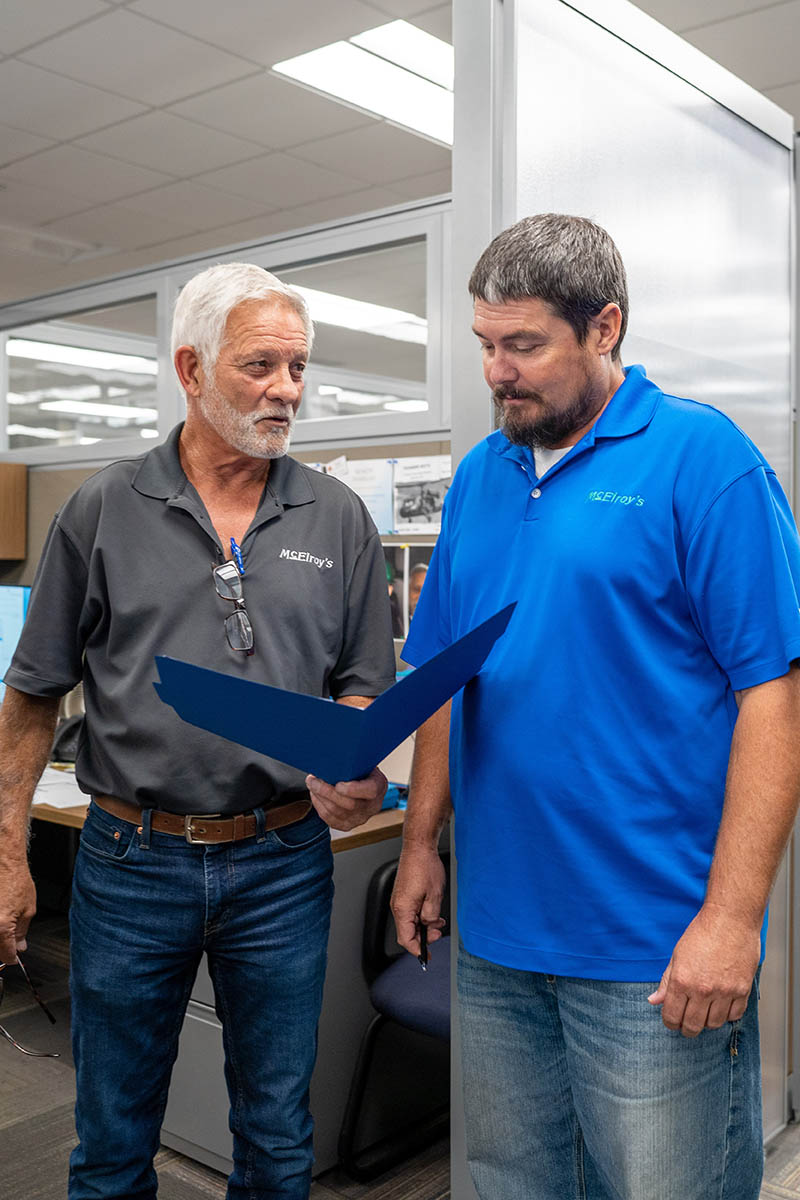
(193, 844)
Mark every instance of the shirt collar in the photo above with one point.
(162, 477)
(630, 410)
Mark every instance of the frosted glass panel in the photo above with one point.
(697, 200)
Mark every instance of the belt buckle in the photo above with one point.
(188, 830)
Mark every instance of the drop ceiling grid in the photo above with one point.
(191, 129)
(270, 183)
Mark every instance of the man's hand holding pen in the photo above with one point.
(417, 899)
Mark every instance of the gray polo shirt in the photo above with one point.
(125, 574)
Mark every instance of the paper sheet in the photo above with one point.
(59, 789)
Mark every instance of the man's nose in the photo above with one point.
(499, 369)
(282, 385)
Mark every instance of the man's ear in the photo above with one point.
(605, 327)
(189, 370)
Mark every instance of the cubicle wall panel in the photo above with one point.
(697, 199)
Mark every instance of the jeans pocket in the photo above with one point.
(309, 829)
(106, 836)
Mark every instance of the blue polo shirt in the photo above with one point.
(656, 570)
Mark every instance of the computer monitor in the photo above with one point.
(13, 611)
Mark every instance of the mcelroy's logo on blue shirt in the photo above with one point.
(600, 497)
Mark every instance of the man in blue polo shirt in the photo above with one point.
(625, 768)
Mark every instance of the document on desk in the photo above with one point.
(332, 741)
(59, 789)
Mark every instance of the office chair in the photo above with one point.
(401, 992)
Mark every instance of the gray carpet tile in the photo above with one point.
(425, 1177)
(30, 1087)
(34, 1153)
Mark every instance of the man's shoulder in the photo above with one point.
(705, 433)
(106, 483)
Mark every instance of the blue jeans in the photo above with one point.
(575, 1090)
(144, 908)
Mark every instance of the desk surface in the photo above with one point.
(383, 825)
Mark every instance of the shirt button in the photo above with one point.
(536, 493)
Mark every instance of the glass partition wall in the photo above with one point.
(86, 376)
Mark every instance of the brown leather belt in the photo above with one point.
(206, 830)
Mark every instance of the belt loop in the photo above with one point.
(261, 824)
(144, 834)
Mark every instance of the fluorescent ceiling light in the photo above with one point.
(361, 399)
(81, 408)
(377, 319)
(36, 431)
(365, 78)
(406, 405)
(79, 356)
(408, 46)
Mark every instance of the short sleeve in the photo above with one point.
(431, 626)
(743, 579)
(49, 657)
(366, 664)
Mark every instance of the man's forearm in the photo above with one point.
(761, 798)
(27, 725)
(710, 974)
(429, 805)
(420, 883)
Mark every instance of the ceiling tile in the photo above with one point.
(270, 111)
(137, 58)
(163, 141)
(438, 21)
(355, 204)
(407, 10)
(787, 97)
(98, 178)
(686, 14)
(380, 154)
(280, 179)
(24, 204)
(438, 183)
(41, 102)
(23, 22)
(16, 143)
(759, 47)
(288, 29)
(21, 276)
(199, 207)
(120, 226)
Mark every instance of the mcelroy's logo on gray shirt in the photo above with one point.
(307, 557)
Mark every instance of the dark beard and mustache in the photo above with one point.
(544, 427)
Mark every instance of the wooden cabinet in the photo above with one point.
(13, 510)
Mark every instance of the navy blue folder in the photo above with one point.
(332, 741)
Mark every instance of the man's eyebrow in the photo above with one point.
(515, 336)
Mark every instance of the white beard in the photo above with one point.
(246, 432)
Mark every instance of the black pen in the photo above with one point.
(423, 945)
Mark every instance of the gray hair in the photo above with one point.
(205, 303)
(569, 262)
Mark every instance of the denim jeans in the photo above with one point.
(144, 908)
(575, 1090)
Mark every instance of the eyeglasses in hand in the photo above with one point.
(239, 631)
(39, 1001)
